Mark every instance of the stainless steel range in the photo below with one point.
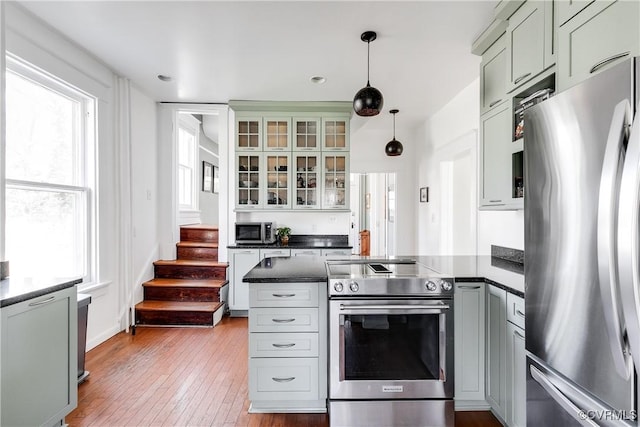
(390, 344)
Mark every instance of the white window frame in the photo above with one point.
(85, 158)
(191, 125)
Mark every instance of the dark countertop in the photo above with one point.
(18, 289)
(304, 241)
(496, 271)
(288, 269)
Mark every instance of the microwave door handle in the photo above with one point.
(606, 235)
(628, 244)
(562, 400)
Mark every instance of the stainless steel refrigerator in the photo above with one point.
(582, 252)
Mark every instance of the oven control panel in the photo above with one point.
(345, 287)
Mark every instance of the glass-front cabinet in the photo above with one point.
(277, 135)
(278, 175)
(307, 171)
(248, 185)
(335, 192)
(335, 134)
(306, 135)
(249, 134)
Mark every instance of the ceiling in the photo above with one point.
(216, 51)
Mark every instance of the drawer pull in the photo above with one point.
(468, 287)
(276, 345)
(518, 334)
(495, 102)
(284, 320)
(605, 61)
(283, 380)
(46, 301)
(284, 295)
(519, 313)
(521, 78)
(495, 201)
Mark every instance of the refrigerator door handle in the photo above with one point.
(606, 238)
(628, 267)
(571, 408)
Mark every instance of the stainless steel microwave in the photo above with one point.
(255, 232)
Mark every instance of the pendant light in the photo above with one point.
(393, 147)
(368, 101)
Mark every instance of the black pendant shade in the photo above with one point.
(368, 101)
(393, 147)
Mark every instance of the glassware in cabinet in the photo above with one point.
(278, 174)
(307, 170)
(248, 188)
(335, 190)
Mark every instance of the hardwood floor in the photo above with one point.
(184, 377)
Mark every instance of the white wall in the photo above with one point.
(450, 135)
(144, 189)
(367, 155)
(38, 44)
(208, 202)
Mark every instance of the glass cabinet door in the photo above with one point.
(276, 134)
(307, 172)
(248, 189)
(334, 134)
(336, 184)
(306, 136)
(248, 135)
(277, 176)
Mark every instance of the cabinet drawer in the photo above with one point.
(283, 320)
(283, 345)
(515, 310)
(283, 295)
(283, 379)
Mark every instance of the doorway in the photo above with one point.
(374, 209)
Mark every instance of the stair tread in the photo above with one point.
(192, 262)
(190, 244)
(200, 227)
(151, 305)
(186, 283)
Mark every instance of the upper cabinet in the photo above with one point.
(277, 134)
(291, 155)
(529, 42)
(601, 35)
(567, 9)
(493, 73)
(335, 133)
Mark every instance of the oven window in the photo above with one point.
(249, 232)
(391, 347)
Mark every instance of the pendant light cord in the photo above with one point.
(394, 126)
(368, 43)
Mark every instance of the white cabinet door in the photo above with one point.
(496, 376)
(600, 36)
(493, 75)
(517, 381)
(495, 160)
(306, 252)
(242, 260)
(249, 134)
(335, 185)
(567, 9)
(277, 134)
(271, 253)
(469, 345)
(40, 359)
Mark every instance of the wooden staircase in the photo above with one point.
(188, 291)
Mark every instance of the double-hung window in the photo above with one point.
(50, 141)
(188, 141)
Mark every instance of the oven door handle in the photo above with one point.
(439, 307)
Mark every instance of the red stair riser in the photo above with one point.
(209, 254)
(181, 294)
(173, 318)
(189, 272)
(198, 235)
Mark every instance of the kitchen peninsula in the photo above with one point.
(293, 293)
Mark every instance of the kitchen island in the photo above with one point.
(489, 293)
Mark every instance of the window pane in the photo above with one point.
(44, 234)
(41, 133)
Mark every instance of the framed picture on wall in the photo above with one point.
(207, 176)
(216, 179)
(424, 194)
